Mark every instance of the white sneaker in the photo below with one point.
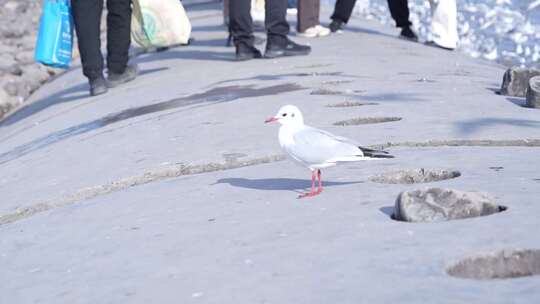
(315, 31)
(292, 11)
(322, 31)
(311, 32)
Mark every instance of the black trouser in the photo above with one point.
(87, 18)
(399, 10)
(308, 14)
(241, 24)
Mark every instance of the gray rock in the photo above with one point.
(533, 93)
(516, 80)
(437, 204)
(7, 103)
(25, 57)
(6, 62)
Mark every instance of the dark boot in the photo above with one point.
(116, 79)
(408, 34)
(290, 48)
(98, 86)
(336, 25)
(246, 52)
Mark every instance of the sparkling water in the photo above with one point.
(506, 31)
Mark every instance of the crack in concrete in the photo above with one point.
(464, 143)
(171, 171)
(178, 170)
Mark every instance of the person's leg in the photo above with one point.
(87, 17)
(241, 29)
(343, 10)
(308, 14)
(444, 23)
(399, 9)
(278, 44)
(240, 22)
(118, 34)
(277, 27)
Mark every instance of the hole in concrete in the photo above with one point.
(414, 176)
(365, 121)
(504, 264)
(336, 82)
(327, 92)
(347, 104)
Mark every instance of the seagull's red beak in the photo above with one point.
(271, 119)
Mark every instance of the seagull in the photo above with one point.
(317, 149)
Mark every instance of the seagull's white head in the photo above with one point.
(288, 115)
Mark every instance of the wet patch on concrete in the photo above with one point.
(415, 176)
(504, 264)
(348, 104)
(365, 121)
(212, 96)
(283, 76)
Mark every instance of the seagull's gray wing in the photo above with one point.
(314, 146)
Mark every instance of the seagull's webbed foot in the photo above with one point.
(313, 192)
(310, 194)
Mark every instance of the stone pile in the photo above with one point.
(19, 74)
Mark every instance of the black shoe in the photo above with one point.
(408, 34)
(98, 86)
(336, 25)
(129, 74)
(289, 49)
(246, 52)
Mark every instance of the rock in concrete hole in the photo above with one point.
(414, 176)
(437, 205)
(348, 104)
(504, 264)
(365, 121)
(533, 93)
(516, 80)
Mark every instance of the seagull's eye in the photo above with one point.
(284, 114)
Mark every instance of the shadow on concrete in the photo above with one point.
(388, 210)
(209, 28)
(362, 30)
(474, 125)
(186, 54)
(70, 94)
(277, 183)
(518, 101)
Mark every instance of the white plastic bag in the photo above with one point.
(159, 23)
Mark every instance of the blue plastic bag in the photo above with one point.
(55, 38)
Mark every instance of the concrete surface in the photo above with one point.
(170, 189)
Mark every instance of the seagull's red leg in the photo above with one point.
(319, 190)
(312, 193)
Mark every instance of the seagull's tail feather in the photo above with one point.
(371, 153)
